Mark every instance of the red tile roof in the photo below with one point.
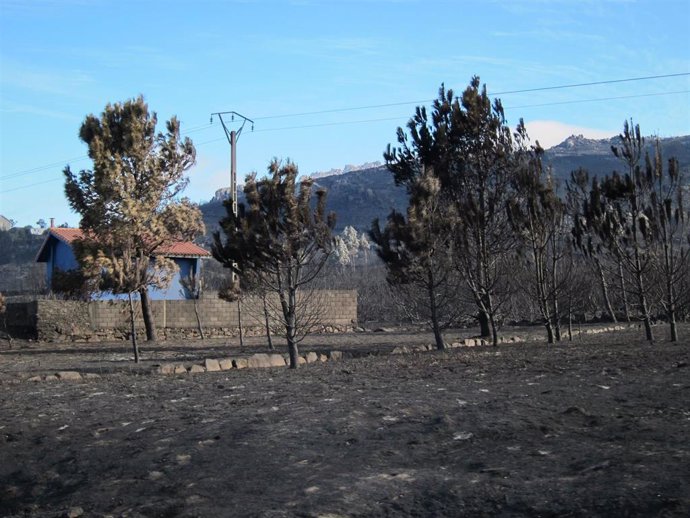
(66, 234)
(178, 249)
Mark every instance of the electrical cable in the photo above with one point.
(493, 94)
(81, 158)
(339, 123)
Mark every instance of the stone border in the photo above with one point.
(273, 360)
(265, 360)
(255, 361)
(65, 376)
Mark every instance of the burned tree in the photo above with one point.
(470, 148)
(617, 214)
(668, 221)
(536, 214)
(129, 202)
(418, 254)
(282, 241)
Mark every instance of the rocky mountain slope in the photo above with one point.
(360, 194)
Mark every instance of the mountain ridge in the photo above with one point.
(359, 194)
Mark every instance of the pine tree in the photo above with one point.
(418, 254)
(129, 201)
(536, 214)
(469, 146)
(281, 242)
(617, 214)
(668, 220)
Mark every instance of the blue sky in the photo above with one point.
(63, 59)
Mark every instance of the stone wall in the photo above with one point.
(62, 320)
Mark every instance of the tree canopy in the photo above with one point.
(129, 201)
(281, 241)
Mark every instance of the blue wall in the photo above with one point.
(173, 292)
(61, 257)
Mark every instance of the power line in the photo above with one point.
(577, 85)
(43, 167)
(31, 185)
(81, 158)
(507, 92)
(340, 123)
(598, 99)
(555, 103)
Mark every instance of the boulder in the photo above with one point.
(74, 512)
(470, 342)
(180, 369)
(35, 378)
(212, 365)
(51, 377)
(311, 357)
(401, 349)
(68, 376)
(263, 361)
(301, 360)
(276, 360)
(335, 355)
(323, 357)
(240, 363)
(196, 369)
(167, 368)
(225, 364)
(91, 376)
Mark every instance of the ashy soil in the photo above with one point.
(596, 427)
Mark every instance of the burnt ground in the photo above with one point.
(596, 427)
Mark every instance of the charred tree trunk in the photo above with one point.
(669, 270)
(484, 324)
(133, 330)
(642, 300)
(494, 330)
(433, 309)
(605, 291)
(267, 323)
(147, 313)
(239, 320)
(570, 318)
(555, 290)
(549, 332)
(198, 318)
(674, 329)
(291, 329)
(621, 279)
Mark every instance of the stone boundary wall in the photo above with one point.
(67, 320)
(264, 360)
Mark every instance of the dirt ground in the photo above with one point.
(596, 427)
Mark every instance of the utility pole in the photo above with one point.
(232, 137)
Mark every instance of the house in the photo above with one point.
(5, 223)
(56, 251)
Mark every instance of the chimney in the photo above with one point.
(52, 222)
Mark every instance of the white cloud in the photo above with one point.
(552, 133)
(11, 107)
(41, 80)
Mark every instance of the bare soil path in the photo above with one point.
(597, 427)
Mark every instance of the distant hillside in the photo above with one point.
(356, 197)
(597, 158)
(359, 195)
